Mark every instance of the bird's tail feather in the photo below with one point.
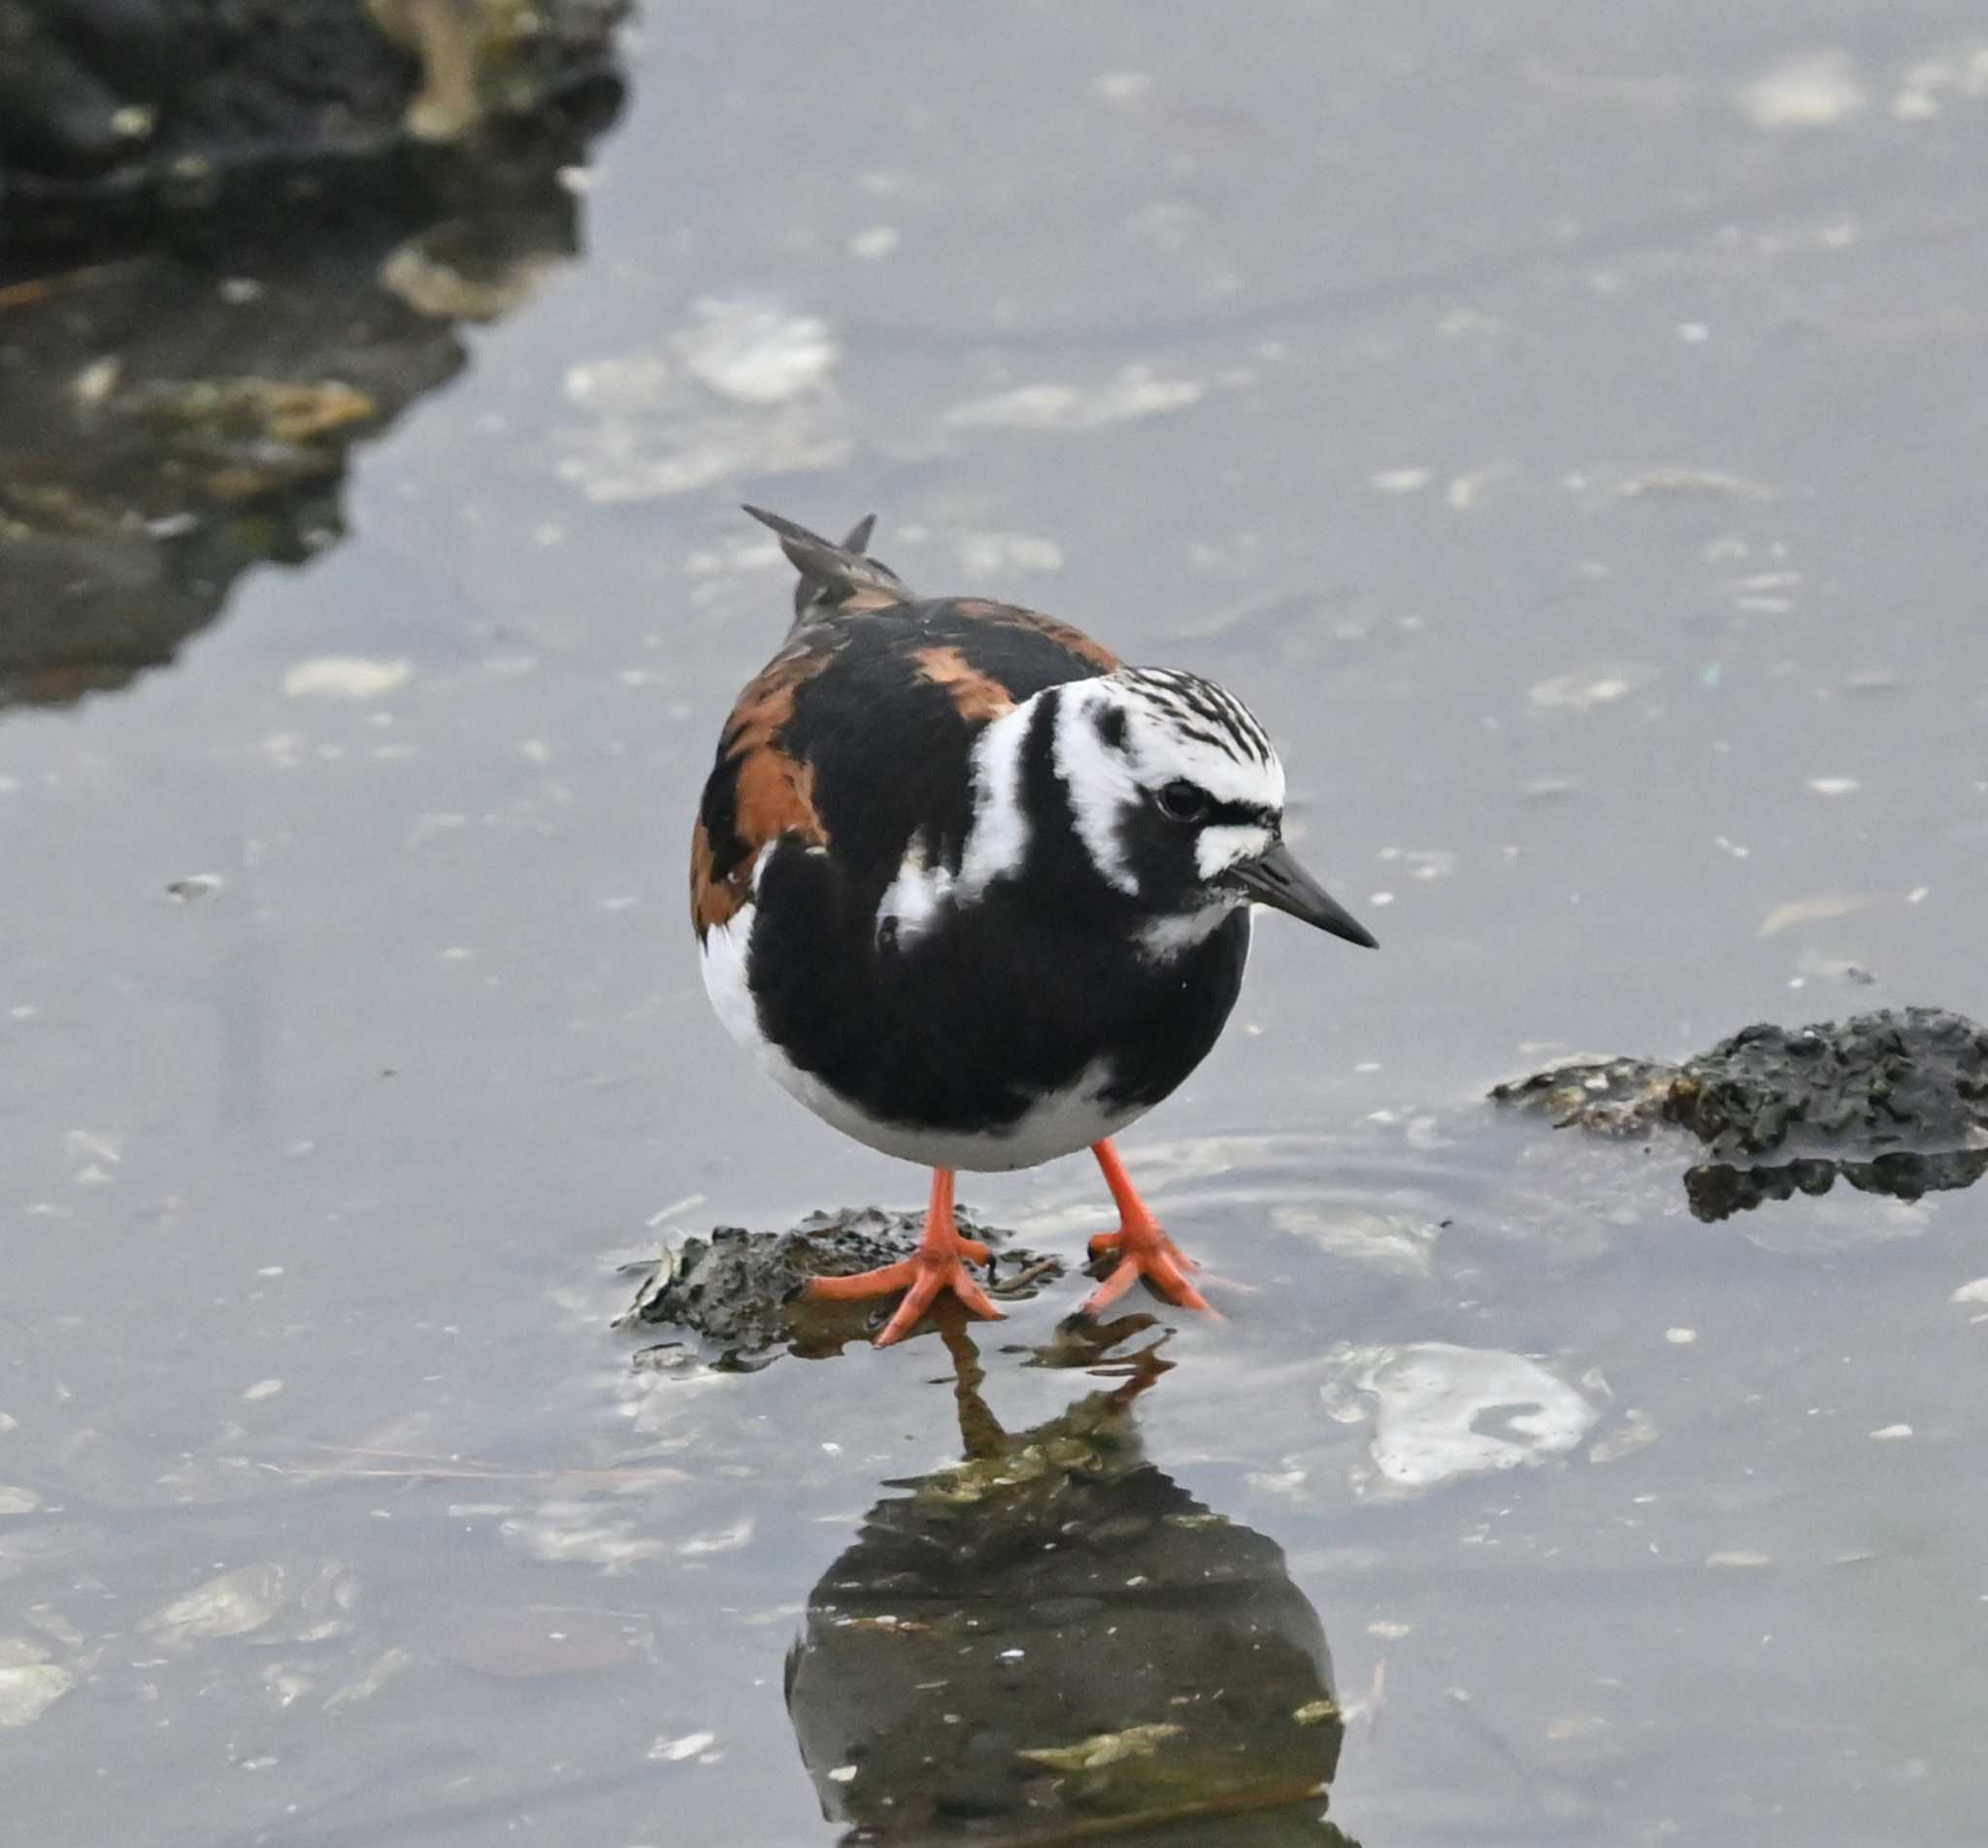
(833, 577)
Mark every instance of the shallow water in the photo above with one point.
(1566, 430)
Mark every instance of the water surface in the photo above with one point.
(1564, 426)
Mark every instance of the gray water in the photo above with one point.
(1566, 427)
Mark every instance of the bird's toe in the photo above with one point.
(1144, 1252)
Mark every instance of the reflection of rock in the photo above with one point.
(124, 108)
(1050, 1640)
(169, 420)
(1718, 1190)
(1894, 1101)
(740, 1291)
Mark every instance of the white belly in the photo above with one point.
(1056, 1125)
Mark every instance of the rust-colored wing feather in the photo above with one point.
(887, 651)
(758, 791)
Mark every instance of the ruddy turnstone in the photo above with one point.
(978, 893)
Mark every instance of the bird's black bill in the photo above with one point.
(1277, 880)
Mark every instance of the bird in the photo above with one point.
(978, 894)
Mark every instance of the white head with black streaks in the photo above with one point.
(1165, 790)
(1172, 782)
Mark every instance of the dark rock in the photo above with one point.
(1916, 1079)
(1894, 1101)
(742, 1291)
(118, 110)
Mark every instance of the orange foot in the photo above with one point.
(934, 1266)
(1143, 1246)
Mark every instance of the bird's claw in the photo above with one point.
(1143, 1251)
(931, 1268)
(1103, 1243)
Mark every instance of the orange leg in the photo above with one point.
(1144, 1248)
(934, 1266)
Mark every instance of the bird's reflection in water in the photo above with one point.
(1052, 1642)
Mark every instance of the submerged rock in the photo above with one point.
(1894, 1101)
(1052, 1641)
(1617, 1096)
(740, 1291)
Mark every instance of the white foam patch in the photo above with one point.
(578, 1534)
(30, 1684)
(1135, 392)
(1817, 89)
(755, 352)
(1399, 1243)
(1957, 71)
(346, 677)
(747, 389)
(1431, 1397)
(1585, 688)
(983, 555)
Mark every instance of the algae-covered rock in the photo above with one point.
(1914, 1079)
(123, 110)
(1051, 1640)
(1894, 1103)
(742, 1291)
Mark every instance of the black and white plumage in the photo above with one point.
(975, 892)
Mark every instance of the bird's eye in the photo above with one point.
(1182, 801)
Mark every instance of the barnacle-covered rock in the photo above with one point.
(1617, 1096)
